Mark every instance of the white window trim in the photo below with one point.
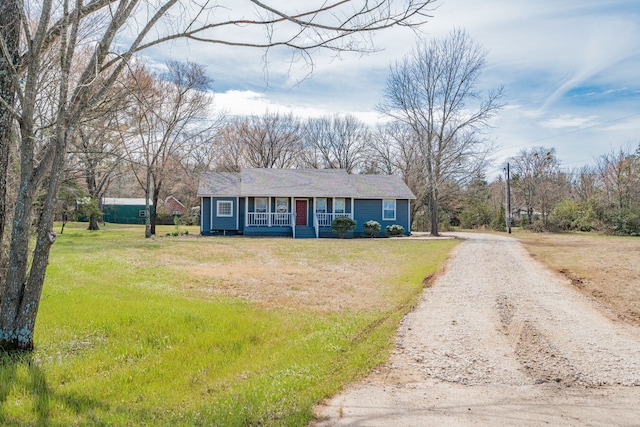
(266, 206)
(287, 204)
(219, 203)
(394, 209)
(326, 203)
(344, 205)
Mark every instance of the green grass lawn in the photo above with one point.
(128, 334)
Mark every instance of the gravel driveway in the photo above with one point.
(500, 340)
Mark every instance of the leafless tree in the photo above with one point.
(335, 142)
(203, 153)
(29, 30)
(170, 111)
(619, 176)
(271, 140)
(584, 184)
(396, 151)
(95, 148)
(230, 156)
(434, 91)
(537, 180)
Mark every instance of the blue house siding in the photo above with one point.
(205, 216)
(241, 215)
(402, 215)
(366, 210)
(370, 209)
(225, 223)
(268, 231)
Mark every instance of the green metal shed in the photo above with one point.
(124, 210)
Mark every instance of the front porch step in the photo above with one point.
(305, 232)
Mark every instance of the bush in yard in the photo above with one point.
(371, 228)
(498, 223)
(342, 225)
(394, 230)
(564, 216)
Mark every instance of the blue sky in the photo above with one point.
(570, 68)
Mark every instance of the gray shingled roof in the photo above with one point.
(221, 184)
(302, 183)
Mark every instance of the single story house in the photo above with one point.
(299, 202)
(120, 210)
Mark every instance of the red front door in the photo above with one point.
(301, 212)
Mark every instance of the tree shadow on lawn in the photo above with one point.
(13, 367)
(35, 384)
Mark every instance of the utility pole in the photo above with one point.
(508, 199)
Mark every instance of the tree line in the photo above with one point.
(603, 197)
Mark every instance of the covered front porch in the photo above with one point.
(298, 217)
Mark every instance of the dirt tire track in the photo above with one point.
(499, 339)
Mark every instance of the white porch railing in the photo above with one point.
(316, 226)
(325, 219)
(261, 219)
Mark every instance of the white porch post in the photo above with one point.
(246, 213)
(211, 215)
(201, 216)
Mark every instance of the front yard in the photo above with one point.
(208, 331)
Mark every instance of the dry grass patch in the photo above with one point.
(325, 275)
(606, 268)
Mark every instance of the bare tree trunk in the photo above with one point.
(10, 32)
(11, 336)
(30, 303)
(147, 216)
(94, 194)
(157, 184)
(433, 210)
(93, 223)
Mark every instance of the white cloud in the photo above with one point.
(241, 103)
(568, 121)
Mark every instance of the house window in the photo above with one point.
(225, 208)
(321, 205)
(261, 204)
(282, 205)
(142, 213)
(389, 210)
(339, 207)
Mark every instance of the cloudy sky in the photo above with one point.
(570, 69)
